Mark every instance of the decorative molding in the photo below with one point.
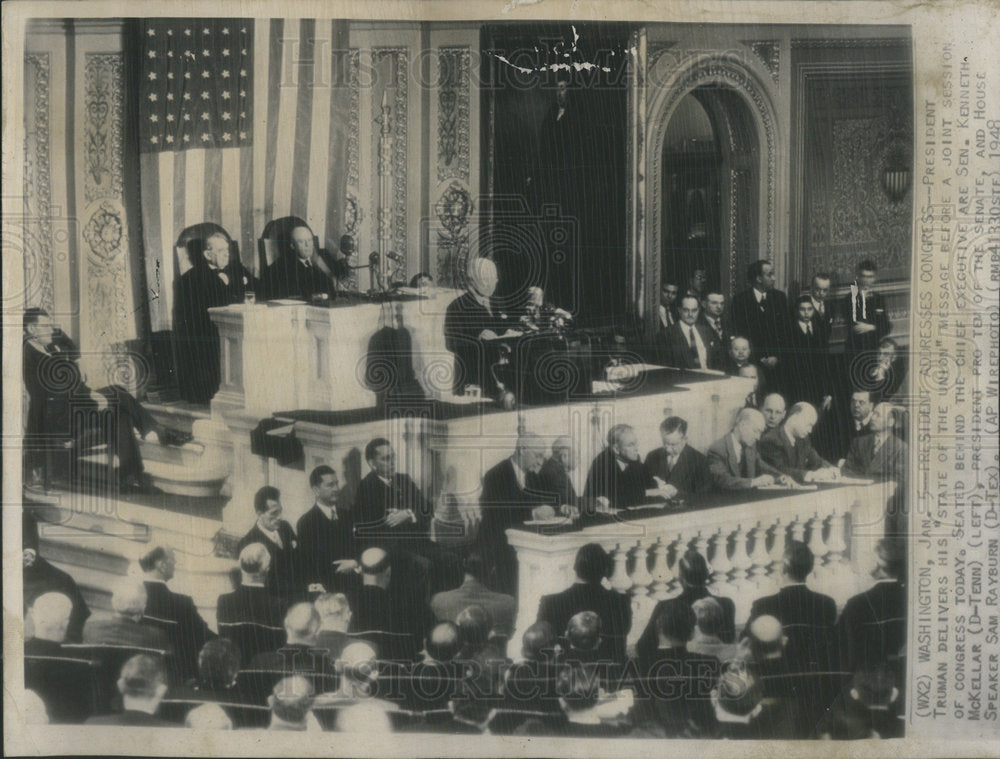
(453, 114)
(103, 100)
(851, 42)
(37, 244)
(399, 123)
(352, 205)
(719, 68)
(769, 52)
(453, 210)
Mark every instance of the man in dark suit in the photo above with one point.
(126, 627)
(808, 369)
(250, 616)
(693, 572)
(617, 478)
(142, 684)
(788, 449)
(58, 393)
(872, 626)
(554, 476)
(713, 307)
(681, 467)
(328, 551)
(277, 535)
(733, 460)
(819, 291)
(40, 577)
(756, 396)
(335, 618)
(666, 311)
(510, 496)
(50, 615)
(448, 604)
(807, 618)
(880, 453)
(865, 313)
(887, 374)
(677, 683)
(175, 613)
(299, 652)
(592, 565)
(688, 344)
(303, 269)
(761, 314)
(773, 407)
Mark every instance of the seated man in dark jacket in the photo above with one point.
(40, 577)
(617, 478)
(142, 685)
(250, 616)
(788, 448)
(681, 467)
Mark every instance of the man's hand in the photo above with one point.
(826, 474)
(762, 481)
(488, 334)
(827, 402)
(543, 512)
(397, 518)
(665, 488)
(771, 361)
(784, 480)
(346, 565)
(862, 327)
(603, 504)
(569, 511)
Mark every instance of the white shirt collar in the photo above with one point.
(788, 435)
(384, 480)
(737, 445)
(273, 535)
(758, 294)
(328, 511)
(518, 473)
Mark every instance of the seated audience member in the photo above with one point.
(142, 684)
(713, 316)
(250, 616)
(126, 626)
(693, 573)
(862, 404)
(583, 639)
(359, 670)
(775, 670)
(208, 717)
(788, 448)
(739, 355)
(56, 409)
(807, 618)
(174, 613)
(302, 270)
(681, 467)
(384, 606)
(766, 643)
(510, 496)
(278, 537)
(328, 551)
(808, 371)
(773, 408)
(733, 461)
(709, 624)
(364, 718)
(667, 308)
(585, 710)
(617, 478)
(554, 476)
(218, 664)
(880, 453)
(686, 344)
(676, 683)
(754, 397)
(40, 577)
(529, 683)
(865, 708)
(475, 625)
(872, 626)
(291, 704)
(742, 711)
(334, 621)
(300, 652)
(448, 604)
(443, 644)
(50, 615)
(592, 565)
(886, 374)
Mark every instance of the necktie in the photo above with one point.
(744, 465)
(694, 347)
(670, 464)
(809, 329)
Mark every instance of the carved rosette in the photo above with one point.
(453, 211)
(109, 297)
(36, 241)
(453, 114)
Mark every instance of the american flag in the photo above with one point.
(241, 122)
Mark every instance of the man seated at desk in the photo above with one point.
(303, 270)
(734, 462)
(617, 478)
(788, 448)
(554, 477)
(683, 469)
(471, 322)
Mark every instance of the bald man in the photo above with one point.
(773, 408)
(511, 495)
(250, 616)
(300, 652)
(389, 611)
(50, 615)
(789, 450)
(126, 628)
(554, 476)
(733, 460)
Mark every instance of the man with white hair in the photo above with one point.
(617, 477)
(39, 577)
(788, 448)
(50, 616)
(389, 610)
(511, 495)
(126, 628)
(142, 684)
(300, 652)
(250, 616)
(291, 705)
(334, 621)
(733, 460)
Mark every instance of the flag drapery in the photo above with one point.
(240, 122)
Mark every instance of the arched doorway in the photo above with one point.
(710, 195)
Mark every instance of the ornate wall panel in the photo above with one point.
(352, 203)
(37, 243)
